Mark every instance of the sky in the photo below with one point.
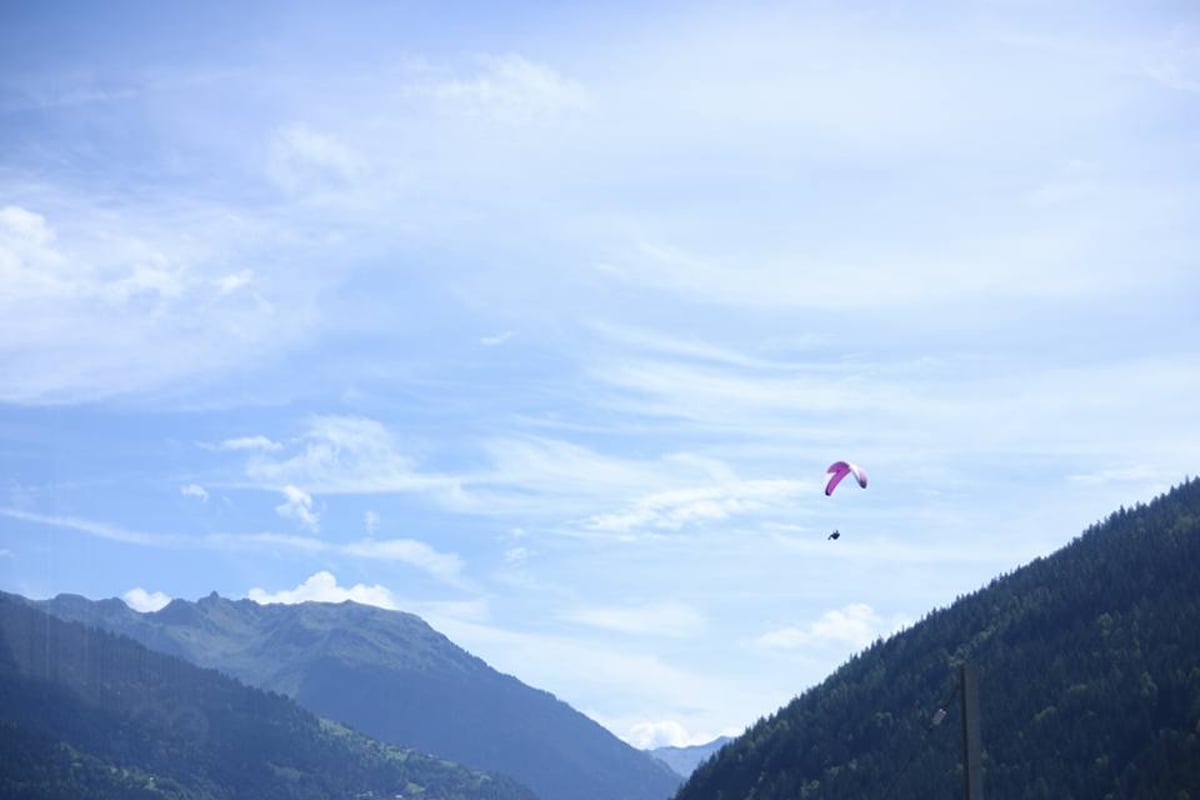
(544, 321)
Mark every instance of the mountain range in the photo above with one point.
(90, 715)
(391, 676)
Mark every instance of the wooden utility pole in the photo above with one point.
(968, 680)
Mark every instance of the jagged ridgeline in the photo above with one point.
(89, 714)
(1089, 676)
(391, 676)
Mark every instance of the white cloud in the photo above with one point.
(25, 239)
(671, 619)
(305, 160)
(856, 625)
(194, 490)
(298, 505)
(228, 284)
(246, 443)
(349, 455)
(530, 474)
(514, 90)
(644, 341)
(665, 733)
(371, 522)
(322, 587)
(102, 300)
(446, 566)
(673, 509)
(143, 602)
(498, 339)
(544, 475)
(1020, 263)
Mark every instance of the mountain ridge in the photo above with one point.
(394, 677)
(85, 713)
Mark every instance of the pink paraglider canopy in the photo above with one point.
(839, 470)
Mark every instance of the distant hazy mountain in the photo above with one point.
(88, 714)
(684, 760)
(393, 677)
(1089, 685)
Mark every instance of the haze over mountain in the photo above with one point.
(684, 760)
(393, 677)
(91, 715)
(1089, 664)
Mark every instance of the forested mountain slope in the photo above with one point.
(393, 677)
(89, 714)
(1089, 673)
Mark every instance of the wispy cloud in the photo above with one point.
(446, 567)
(511, 89)
(667, 619)
(260, 442)
(498, 339)
(647, 341)
(306, 160)
(298, 505)
(228, 284)
(857, 625)
(1140, 473)
(673, 509)
(569, 477)
(348, 455)
(100, 530)
(529, 474)
(125, 300)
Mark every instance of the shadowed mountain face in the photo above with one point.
(88, 714)
(1089, 683)
(391, 676)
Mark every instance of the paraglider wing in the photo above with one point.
(839, 470)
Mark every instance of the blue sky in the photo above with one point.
(544, 322)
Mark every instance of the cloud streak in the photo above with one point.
(446, 567)
(667, 619)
